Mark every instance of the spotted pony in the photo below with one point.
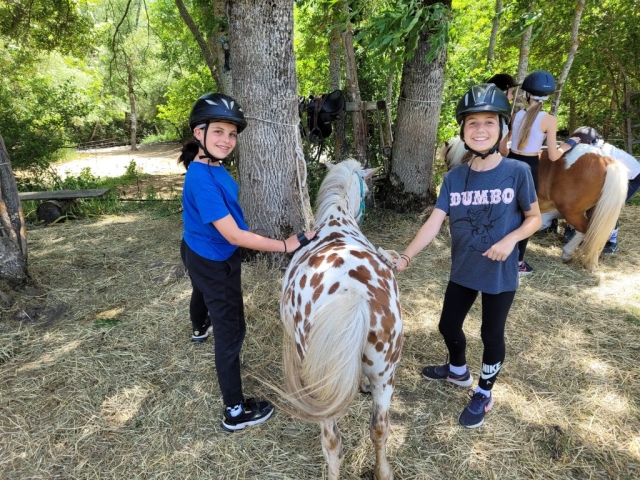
(342, 323)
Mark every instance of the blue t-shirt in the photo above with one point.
(480, 215)
(209, 194)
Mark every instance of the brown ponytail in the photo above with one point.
(189, 152)
(527, 123)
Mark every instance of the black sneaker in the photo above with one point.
(202, 333)
(524, 269)
(473, 414)
(610, 247)
(442, 372)
(254, 412)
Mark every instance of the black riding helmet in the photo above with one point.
(483, 98)
(503, 81)
(588, 135)
(217, 107)
(539, 83)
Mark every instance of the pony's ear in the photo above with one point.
(368, 173)
(446, 144)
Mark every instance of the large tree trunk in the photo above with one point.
(353, 95)
(220, 46)
(494, 34)
(570, 56)
(208, 56)
(523, 62)
(272, 170)
(409, 184)
(335, 69)
(133, 118)
(13, 234)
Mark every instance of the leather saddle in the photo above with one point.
(321, 111)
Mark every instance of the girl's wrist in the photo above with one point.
(406, 258)
(285, 246)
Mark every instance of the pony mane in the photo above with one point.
(334, 188)
(456, 152)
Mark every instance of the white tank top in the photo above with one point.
(536, 137)
(630, 162)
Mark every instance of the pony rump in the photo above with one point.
(324, 383)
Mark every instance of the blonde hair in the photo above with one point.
(527, 123)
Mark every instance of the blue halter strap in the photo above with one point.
(360, 214)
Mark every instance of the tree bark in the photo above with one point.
(353, 95)
(335, 69)
(272, 170)
(209, 58)
(409, 186)
(494, 34)
(220, 46)
(133, 118)
(570, 56)
(523, 62)
(13, 233)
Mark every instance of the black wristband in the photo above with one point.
(571, 141)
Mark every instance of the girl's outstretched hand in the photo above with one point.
(302, 239)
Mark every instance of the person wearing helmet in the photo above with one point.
(492, 205)
(506, 83)
(214, 228)
(590, 136)
(529, 129)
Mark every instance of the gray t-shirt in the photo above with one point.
(484, 207)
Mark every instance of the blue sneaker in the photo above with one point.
(442, 372)
(473, 414)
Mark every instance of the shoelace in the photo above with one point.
(477, 402)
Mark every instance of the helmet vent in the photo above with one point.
(210, 102)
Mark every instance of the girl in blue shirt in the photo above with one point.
(214, 228)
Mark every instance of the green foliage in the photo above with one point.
(400, 27)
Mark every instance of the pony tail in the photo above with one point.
(527, 123)
(189, 152)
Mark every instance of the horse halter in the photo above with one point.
(360, 215)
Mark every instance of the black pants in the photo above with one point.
(534, 163)
(217, 290)
(495, 308)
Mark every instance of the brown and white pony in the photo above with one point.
(585, 187)
(341, 315)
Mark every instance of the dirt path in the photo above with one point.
(161, 174)
(159, 159)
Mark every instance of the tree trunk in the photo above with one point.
(272, 170)
(202, 43)
(353, 95)
(133, 118)
(335, 69)
(13, 233)
(628, 131)
(570, 56)
(220, 46)
(409, 185)
(523, 62)
(494, 34)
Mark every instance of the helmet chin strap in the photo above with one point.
(207, 154)
(493, 150)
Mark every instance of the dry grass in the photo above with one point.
(98, 377)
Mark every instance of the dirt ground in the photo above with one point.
(99, 379)
(157, 164)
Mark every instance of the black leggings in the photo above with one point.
(495, 308)
(217, 290)
(533, 162)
